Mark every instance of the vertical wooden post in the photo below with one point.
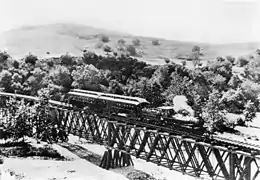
(247, 165)
(232, 166)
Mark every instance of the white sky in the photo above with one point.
(215, 21)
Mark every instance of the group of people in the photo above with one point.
(55, 134)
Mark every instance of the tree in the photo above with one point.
(234, 82)
(249, 111)
(3, 56)
(258, 52)
(6, 80)
(66, 59)
(104, 38)
(16, 64)
(60, 76)
(18, 122)
(220, 59)
(242, 61)
(213, 113)
(231, 59)
(115, 87)
(178, 86)
(183, 63)
(167, 60)
(107, 49)
(121, 41)
(136, 42)
(87, 77)
(31, 59)
(35, 82)
(152, 92)
(155, 42)
(196, 48)
(131, 49)
(195, 56)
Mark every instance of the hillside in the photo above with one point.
(60, 38)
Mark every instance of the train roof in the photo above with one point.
(104, 96)
(83, 94)
(166, 107)
(86, 91)
(115, 96)
(53, 102)
(20, 96)
(120, 100)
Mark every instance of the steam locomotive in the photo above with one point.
(134, 108)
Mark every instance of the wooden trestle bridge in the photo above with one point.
(218, 159)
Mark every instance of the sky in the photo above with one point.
(212, 21)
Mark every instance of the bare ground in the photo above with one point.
(82, 162)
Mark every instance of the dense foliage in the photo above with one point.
(212, 90)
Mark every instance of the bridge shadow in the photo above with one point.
(82, 152)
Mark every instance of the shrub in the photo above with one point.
(104, 38)
(249, 111)
(60, 76)
(136, 42)
(166, 60)
(115, 54)
(121, 41)
(220, 59)
(242, 61)
(155, 42)
(213, 113)
(66, 59)
(50, 62)
(231, 59)
(107, 49)
(131, 49)
(3, 56)
(31, 59)
(196, 49)
(16, 64)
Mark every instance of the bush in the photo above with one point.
(242, 61)
(66, 59)
(196, 49)
(167, 60)
(31, 59)
(107, 49)
(213, 112)
(104, 38)
(121, 41)
(3, 56)
(136, 42)
(16, 64)
(231, 59)
(155, 42)
(131, 49)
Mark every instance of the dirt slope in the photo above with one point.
(60, 38)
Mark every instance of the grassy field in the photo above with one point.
(60, 38)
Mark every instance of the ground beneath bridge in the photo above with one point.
(83, 160)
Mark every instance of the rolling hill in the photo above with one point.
(61, 38)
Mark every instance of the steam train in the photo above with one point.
(134, 108)
(124, 107)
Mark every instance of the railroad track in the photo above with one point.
(213, 139)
